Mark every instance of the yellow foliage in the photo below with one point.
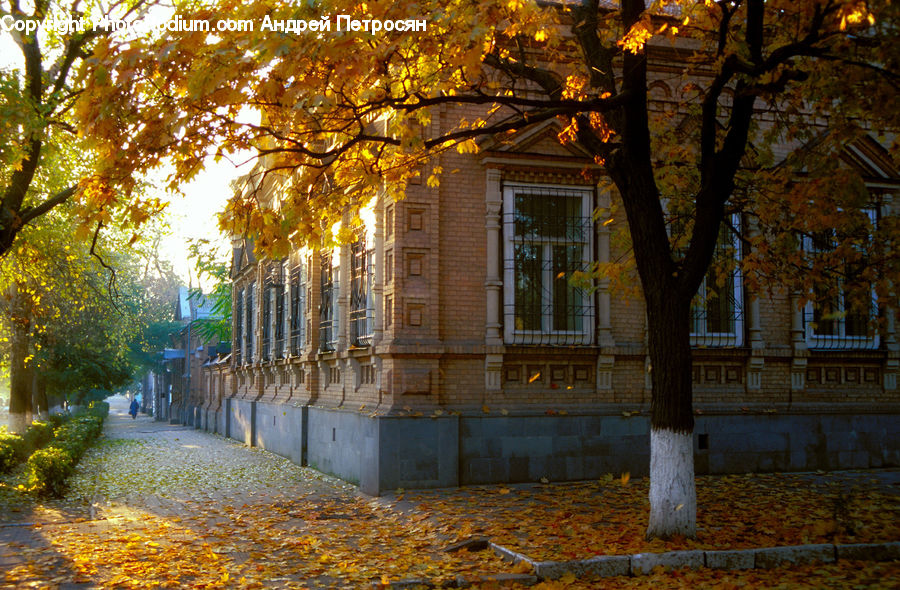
(638, 35)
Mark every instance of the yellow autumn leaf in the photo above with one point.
(568, 578)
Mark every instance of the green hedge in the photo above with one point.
(11, 450)
(16, 448)
(49, 469)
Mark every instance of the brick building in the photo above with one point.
(447, 345)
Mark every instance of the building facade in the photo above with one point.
(449, 345)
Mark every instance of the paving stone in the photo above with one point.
(643, 563)
(743, 559)
(774, 556)
(552, 570)
(602, 565)
(870, 551)
(607, 565)
(510, 555)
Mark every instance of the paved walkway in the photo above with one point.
(154, 504)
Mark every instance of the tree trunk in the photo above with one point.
(673, 496)
(41, 403)
(19, 381)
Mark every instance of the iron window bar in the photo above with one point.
(832, 320)
(717, 312)
(238, 327)
(267, 319)
(548, 238)
(361, 311)
(298, 288)
(249, 324)
(327, 301)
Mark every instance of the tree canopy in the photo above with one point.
(79, 316)
(44, 159)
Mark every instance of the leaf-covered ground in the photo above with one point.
(155, 505)
(562, 522)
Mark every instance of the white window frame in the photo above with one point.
(545, 336)
(840, 341)
(704, 338)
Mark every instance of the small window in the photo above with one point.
(297, 293)
(238, 326)
(268, 288)
(279, 295)
(328, 303)
(548, 239)
(717, 311)
(249, 323)
(837, 318)
(362, 308)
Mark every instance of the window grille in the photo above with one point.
(834, 320)
(249, 323)
(717, 311)
(298, 308)
(279, 295)
(328, 319)
(238, 326)
(548, 237)
(267, 319)
(362, 312)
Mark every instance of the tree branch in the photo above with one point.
(62, 196)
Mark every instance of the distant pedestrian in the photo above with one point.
(133, 410)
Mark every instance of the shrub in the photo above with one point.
(38, 435)
(16, 448)
(57, 420)
(12, 447)
(99, 409)
(49, 469)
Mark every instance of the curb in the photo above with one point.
(496, 580)
(643, 563)
(737, 559)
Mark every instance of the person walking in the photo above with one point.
(133, 410)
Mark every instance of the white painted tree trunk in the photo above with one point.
(673, 495)
(18, 423)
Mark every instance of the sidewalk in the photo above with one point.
(160, 505)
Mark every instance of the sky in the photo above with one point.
(194, 216)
